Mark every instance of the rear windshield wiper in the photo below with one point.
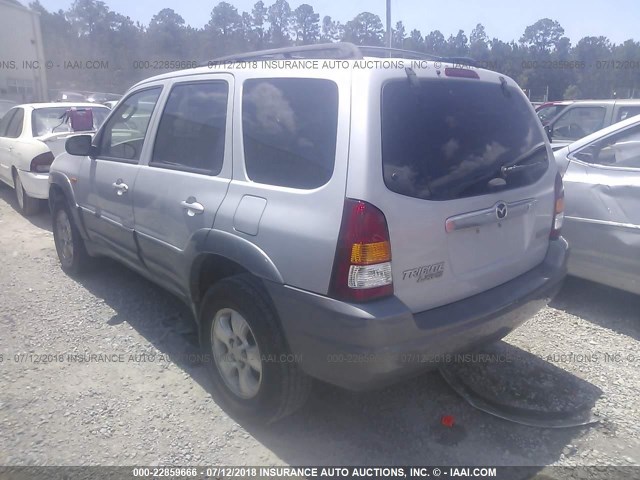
(515, 166)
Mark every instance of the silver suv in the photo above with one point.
(332, 215)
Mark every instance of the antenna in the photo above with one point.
(389, 35)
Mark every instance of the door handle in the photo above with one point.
(192, 207)
(120, 187)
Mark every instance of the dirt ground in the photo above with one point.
(103, 371)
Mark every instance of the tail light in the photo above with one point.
(558, 209)
(42, 162)
(362, 266)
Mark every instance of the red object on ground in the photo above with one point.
(447, 421)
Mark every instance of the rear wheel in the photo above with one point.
(254, 375)
(72, 253)
(27, 205)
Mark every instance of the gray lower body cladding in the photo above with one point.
(366, 346)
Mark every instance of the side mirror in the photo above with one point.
(79, 145)
(549, 130)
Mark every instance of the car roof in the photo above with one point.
(635, 120)
(350, 65)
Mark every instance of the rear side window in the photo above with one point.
(447, 139)
(289, 129)
(4, 123)
(627, 112)
(14, 130)
(191, 133)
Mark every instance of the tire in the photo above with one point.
(282, 387)
(27, 205)
(70, 247)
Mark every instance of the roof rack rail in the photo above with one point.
(337, 51)
(398, 52)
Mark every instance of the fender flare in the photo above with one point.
(62, 181)
(234, 248)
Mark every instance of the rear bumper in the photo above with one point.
(35, 184)
(364, 346)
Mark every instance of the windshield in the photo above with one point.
(450, 139)
(51, 120)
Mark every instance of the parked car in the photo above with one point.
(584, 117)
(31, 135)
(547, 111)
(67, 96)
(5, 106)
(602, 223)
(316, 230)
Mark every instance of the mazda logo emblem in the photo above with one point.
(501, 211)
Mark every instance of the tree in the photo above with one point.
(306, 24)
(594, 82)
(543, 35)
(478, 43)
(365, 29)
(225, 20)
(279, 16)
(398, 35)
(458, 45)
(330, 30)
(258, 19)
(414, 41)
(225, 29)
(166, 32)
(435, 43)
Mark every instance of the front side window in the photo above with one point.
(191, 134)
(123, 135)
(619, 150)
(289, 128)
(578, 122)
(446, 139)
(14, 130)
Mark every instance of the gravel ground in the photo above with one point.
(152, 406)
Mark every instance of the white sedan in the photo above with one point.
(31, 136)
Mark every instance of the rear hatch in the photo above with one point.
(468, 188)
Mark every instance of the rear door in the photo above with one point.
(459, 222)
(9, 150)
(180, 190)
(6, 146)
(602, 216)
(106, 182)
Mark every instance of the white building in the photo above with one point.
(22, 64)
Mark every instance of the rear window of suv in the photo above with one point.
(289, 128)
(446, 139)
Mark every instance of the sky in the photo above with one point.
(506, 20)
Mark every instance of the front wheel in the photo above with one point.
(70, 247)
(254, 374)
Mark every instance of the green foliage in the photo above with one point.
(543, 61)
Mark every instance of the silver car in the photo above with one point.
(352, 219)
(601, 176)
